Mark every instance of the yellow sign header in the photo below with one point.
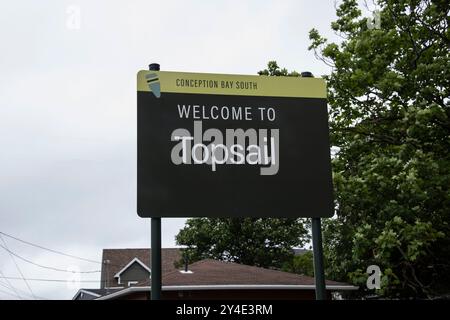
(227, 84)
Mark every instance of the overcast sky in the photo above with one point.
(68, 112)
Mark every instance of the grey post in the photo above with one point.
(156, 259)
(156, 283)
(319, 275)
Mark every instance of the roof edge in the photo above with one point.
(117, 275)
(228, 287)
(96, 295)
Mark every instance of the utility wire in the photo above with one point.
(22, 292)
(51, 250)
(45, 267)
(11, 294)
(13, 289)
(9, 283)
(55, 251)
(4, 283)
(63, 280)
(17, 267)
(52, 280)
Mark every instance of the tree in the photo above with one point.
(301, 264)
(390, 119)
(274, 70)
(262, 242)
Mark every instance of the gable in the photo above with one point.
(114, 260)
(135, 271)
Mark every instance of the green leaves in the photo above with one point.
(254, 241)
(389, 104)
(274, 70)
(390, 118)
(301, 264)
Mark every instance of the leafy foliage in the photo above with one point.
(260, 242)
(301, 264)
(390, 121)
(274, 70)
(390, 118)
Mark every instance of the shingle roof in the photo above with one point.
(206, 272)
(91, 294)
(213, 272)
(119, 258)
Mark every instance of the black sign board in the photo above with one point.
(214, 145)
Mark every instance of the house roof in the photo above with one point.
(129, 290)
(91, 294)
(119, 258)
(214, 272)
(210, 272)
(206, 274)
(217, 275)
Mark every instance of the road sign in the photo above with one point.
(218, 145)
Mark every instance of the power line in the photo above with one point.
(23, 292)
(56, 251)
(50, 250)
(46, 267)
(17, 266)
(11, 294)
(4, 283)
(12, 289)
(9, 283)
(51, 280)
(62, 280)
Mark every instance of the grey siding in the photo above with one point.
(135, 272)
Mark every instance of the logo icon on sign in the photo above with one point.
(153, 84)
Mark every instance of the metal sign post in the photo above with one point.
(156, 282)
(156, 259)
(319, 276)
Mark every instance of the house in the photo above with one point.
(126, 275)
